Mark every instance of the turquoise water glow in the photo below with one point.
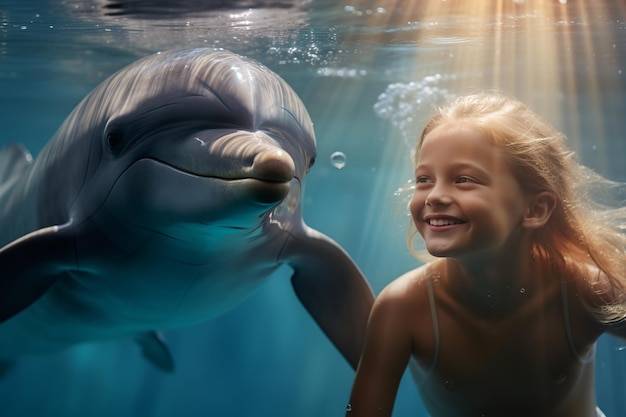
(369, 73)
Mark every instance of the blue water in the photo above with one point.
(369, 73)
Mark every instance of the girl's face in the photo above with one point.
(466, 199)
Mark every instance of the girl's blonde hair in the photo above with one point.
(581, 236)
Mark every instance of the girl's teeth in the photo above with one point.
(442, 222)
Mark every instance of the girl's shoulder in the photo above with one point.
(412, 286)
(403, 309)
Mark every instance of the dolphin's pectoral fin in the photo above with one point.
(30, 265)
(154, 349)
(14, 159)
(332, 288)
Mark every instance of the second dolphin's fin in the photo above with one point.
(154, 349)
(14, 159)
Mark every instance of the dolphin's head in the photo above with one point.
(200, 135)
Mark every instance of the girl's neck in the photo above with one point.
(492, 287)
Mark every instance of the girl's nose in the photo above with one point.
(438, 196)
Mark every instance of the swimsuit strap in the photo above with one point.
(435, 320)
(420, 376)
(568, 329)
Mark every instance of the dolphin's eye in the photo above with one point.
(114, 141)
(311, 161)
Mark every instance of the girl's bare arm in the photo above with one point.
(385, 356)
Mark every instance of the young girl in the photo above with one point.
(527, 274)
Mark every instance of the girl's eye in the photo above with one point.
(422, 180)
(465, 180)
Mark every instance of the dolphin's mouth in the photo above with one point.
(266, 182)
(270, 172)
(252, 166)
(155, 195)
(267, 163)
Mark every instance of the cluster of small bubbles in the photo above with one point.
(312, 47)
(367, 12)
(404, 195)
(294, 55)
(408, 187)
(341, 72)
(338, 159)
(403, 103)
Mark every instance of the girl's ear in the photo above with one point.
(539, 210)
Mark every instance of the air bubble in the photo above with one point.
(338, 159)
(450, 385)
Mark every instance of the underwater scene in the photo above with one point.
(369, 73)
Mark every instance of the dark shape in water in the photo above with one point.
(169, 8)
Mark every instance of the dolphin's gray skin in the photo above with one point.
(168, 195)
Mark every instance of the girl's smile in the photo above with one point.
(442, 223)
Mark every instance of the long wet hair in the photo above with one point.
(582, 238)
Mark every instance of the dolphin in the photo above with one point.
(168, 195)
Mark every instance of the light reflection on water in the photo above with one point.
(369, 72)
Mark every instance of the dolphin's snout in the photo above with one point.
(256, 155)
(273, 165)
(272, 170)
